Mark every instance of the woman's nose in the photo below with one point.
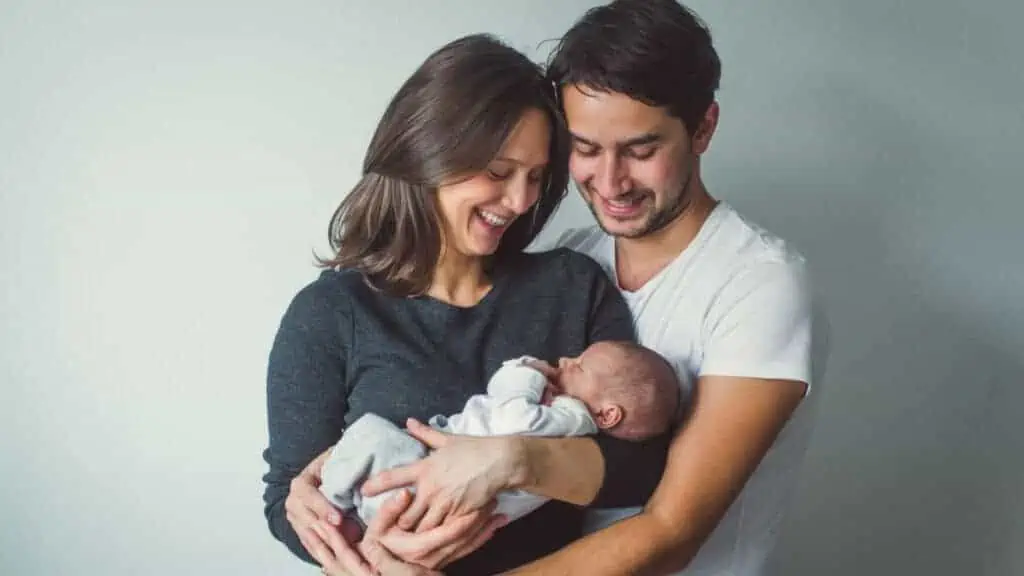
(520, 196)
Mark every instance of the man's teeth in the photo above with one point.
(626, 203)
(493, 219)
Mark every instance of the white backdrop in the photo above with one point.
(166, 170)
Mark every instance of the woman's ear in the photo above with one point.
(608, 416)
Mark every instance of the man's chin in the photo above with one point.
(631, 228)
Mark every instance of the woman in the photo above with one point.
(428, 291)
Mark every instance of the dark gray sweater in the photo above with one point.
(344, 349)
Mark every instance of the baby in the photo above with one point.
(620, 388)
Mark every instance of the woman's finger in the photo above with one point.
(304, 494)
(432, 438)
(313, 539)
(347, 558)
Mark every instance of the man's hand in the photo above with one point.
(437, 547)
(387, 565)
(462, 475)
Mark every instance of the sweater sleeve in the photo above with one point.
(306, 395)
(632, 469)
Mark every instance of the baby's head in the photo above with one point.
(632, 392)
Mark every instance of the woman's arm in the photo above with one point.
(306, 400)
(464, 473)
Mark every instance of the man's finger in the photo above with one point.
(432, 438)
(465, 549)
(388, 514)
(432, 519)
(398, 477)
(455, 530)
(414, 513)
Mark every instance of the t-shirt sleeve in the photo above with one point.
(306, 397)
(760, 325)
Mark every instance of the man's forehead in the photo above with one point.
(611, 117)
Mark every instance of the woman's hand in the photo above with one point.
(325, 534)
(461, 476)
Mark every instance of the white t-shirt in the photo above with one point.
(735, 302)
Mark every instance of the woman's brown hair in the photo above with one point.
(446, 122)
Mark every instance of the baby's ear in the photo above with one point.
(608, 416)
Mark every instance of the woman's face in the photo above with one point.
(476, 212)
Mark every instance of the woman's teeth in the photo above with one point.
(493, 219)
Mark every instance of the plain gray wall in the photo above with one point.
(167, 168)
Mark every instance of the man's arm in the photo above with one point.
(755, 371)
(733, 423)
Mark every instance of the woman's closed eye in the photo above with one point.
(499, 173)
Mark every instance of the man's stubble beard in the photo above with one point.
(659, 219)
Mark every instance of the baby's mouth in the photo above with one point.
(548, 395)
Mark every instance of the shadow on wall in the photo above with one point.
(894, 482)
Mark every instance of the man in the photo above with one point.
(722, 299)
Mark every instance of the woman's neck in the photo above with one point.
(459, 280)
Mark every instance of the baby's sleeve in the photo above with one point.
(515, 379)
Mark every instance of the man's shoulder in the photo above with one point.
(739, 246)
(753, 243)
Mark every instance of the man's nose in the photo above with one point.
(611, 179)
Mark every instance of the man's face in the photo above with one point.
(632, 162)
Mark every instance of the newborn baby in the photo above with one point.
(620, 388)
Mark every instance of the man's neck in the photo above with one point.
(638, 260)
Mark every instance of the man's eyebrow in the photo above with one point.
(640, 140)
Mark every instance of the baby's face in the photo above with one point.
(580, 377)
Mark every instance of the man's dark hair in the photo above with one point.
(446, 123)
(656, 51)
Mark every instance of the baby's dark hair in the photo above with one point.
(651, 386)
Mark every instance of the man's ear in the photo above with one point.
(702, 136)
(608, 416)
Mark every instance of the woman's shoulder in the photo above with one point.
(331, 290)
